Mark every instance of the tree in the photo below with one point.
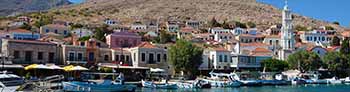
(251, 24)
(99, 34)
(329, 28)
(241, 25)
(345, 49)
(337, 62)
(164, 37)
(186, 57)
(336, 22)
(214, 23)
(226, 25)
(335, 41)
(300, 28)
(305, 61)
(43, 20)
(26, 26)
(274, 65)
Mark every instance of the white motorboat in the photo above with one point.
(346, 80)
(223, 80)
(10, 82)
(334, 80)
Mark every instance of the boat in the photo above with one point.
(345, 80)
(192, 84)
(222, 80)
(10, 82)
(312, 78)
(158, 78)
(107, 85)
(278, 80)
(334, 80)
(158, 85)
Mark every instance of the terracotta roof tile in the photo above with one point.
(146, 45)
(253, 44)
(31, 41)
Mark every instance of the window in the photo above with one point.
(51, 57)
(56, 31)
(28, 56)
(143, 57)
(151, 58)
(122, 58)
(158, 57)
(71, 56)
(80, 56)
(270, 42)
(116, 57)
(47, 30)
(127, 58)
(225, 58)
(220, 58)
(40, 55)
(65, 32)
(134, 56)
(16, 54)
(164, 57)
(106, 58)
(91, 56)
(82, 43)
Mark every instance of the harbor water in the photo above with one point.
(290, 88)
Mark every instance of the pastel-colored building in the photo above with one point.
(55, 28)
(123, 39)
(149, 55)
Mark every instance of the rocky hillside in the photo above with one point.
(95, 11)
(8, 7)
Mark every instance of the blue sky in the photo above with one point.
(328, 10)
(76, 1)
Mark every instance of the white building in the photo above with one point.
(172, 26)
(82, 32)
(138, 26)
(217, 30)
(317, 36)
(218, 59)
(223, 37)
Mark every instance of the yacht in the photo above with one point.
(10, 82)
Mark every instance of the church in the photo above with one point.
(287, 35)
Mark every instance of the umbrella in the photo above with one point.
(78, 68)
(53, 66)
(36, 66)
(157, 70)
(67, 68)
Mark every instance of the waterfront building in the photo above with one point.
(247, 62)
(93, 51)
(55, 28)
(149, 55)
(31, 51)
(216, 59)
(121, 56)
(123, 39)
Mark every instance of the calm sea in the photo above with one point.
(298, 88)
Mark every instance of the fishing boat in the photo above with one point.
(223, 80)
(192, 84)
(312, 78)
(278, 80)
(10, 82)
(158, 85)
(158, 78)
(105, 85)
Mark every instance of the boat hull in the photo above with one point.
(9, 89)
(149, 84)
(85, 86)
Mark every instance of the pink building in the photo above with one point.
(123, 39)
